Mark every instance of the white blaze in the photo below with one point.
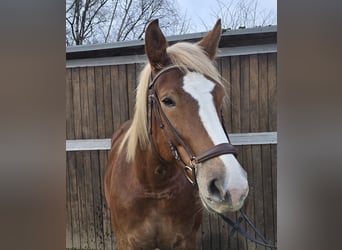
(200, 89)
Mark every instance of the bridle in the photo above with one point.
(217, 150)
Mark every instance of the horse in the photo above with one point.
(173, 159)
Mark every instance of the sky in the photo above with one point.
(199, 10)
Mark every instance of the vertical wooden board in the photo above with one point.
(124, 114)
(131, 86)
(272, 90)
(274, 189)
(82, 200)
(249, 203)
(244, 94)
(84, 103)
(76, 240)
(235, 98)
(96, 180)
(267, 187)
(68, 236)
(256, 150)
(99, 103)
(69, 106)
(215, 232)
(227, 111)
(263, 93)
(115, 96)
(258, 201)
(206, 233)
(107, 227)
(199, 238)
(224, 231)
(107, 94)
(89, 199)
(76, 87)
(245, 110)
(254, 93)
(76, 96)
(92, 103)
(86, 164)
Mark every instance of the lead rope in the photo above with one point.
(237, 228)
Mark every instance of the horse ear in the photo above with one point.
(155, 46)
(210, 42)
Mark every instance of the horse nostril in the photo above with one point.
(216, 190)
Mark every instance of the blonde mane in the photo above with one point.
(182, 54)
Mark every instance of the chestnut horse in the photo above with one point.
(174, 157)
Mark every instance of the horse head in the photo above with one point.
(190, 96)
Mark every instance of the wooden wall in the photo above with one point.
(99, 99)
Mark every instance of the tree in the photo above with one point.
(242, 13)
(82, 17)
(95, 21)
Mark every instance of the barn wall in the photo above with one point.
(100, 98)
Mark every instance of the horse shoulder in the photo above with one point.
(113, 156)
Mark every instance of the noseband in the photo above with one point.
(217, 150)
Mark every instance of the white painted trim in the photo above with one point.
(92, 144)
(119, 60)
(236, 139)
(254, 138)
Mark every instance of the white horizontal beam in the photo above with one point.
(92, 144)
(236, 139)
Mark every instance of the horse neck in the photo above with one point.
(156, 167)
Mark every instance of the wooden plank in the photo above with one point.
(69, 232)
(272, 91)
(263, 94)
(227, 110)
(107, 226)
(96, 159)
(76, 92)
(131, 87)
(124, 114)
(235, 98)
(102, 133)
(215, 232)
(254, 113)
(82, 186)
(99, 103)
(92, 103)
(71, 162)
(272, 100)
(97, 190)
(69, 107)
(274, 187)
(107, 94)
(206, 233)
(72, 185)
(115, 96)
(245, 117)
(266, 150)
(268, 192)
(76, 97)
(86, 77)
(257, 161)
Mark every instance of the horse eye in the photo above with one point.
(168, 102)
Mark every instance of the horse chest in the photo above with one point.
(162, 230)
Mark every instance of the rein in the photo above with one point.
(217, 150)
(237, 228)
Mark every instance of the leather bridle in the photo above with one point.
(217, 150)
